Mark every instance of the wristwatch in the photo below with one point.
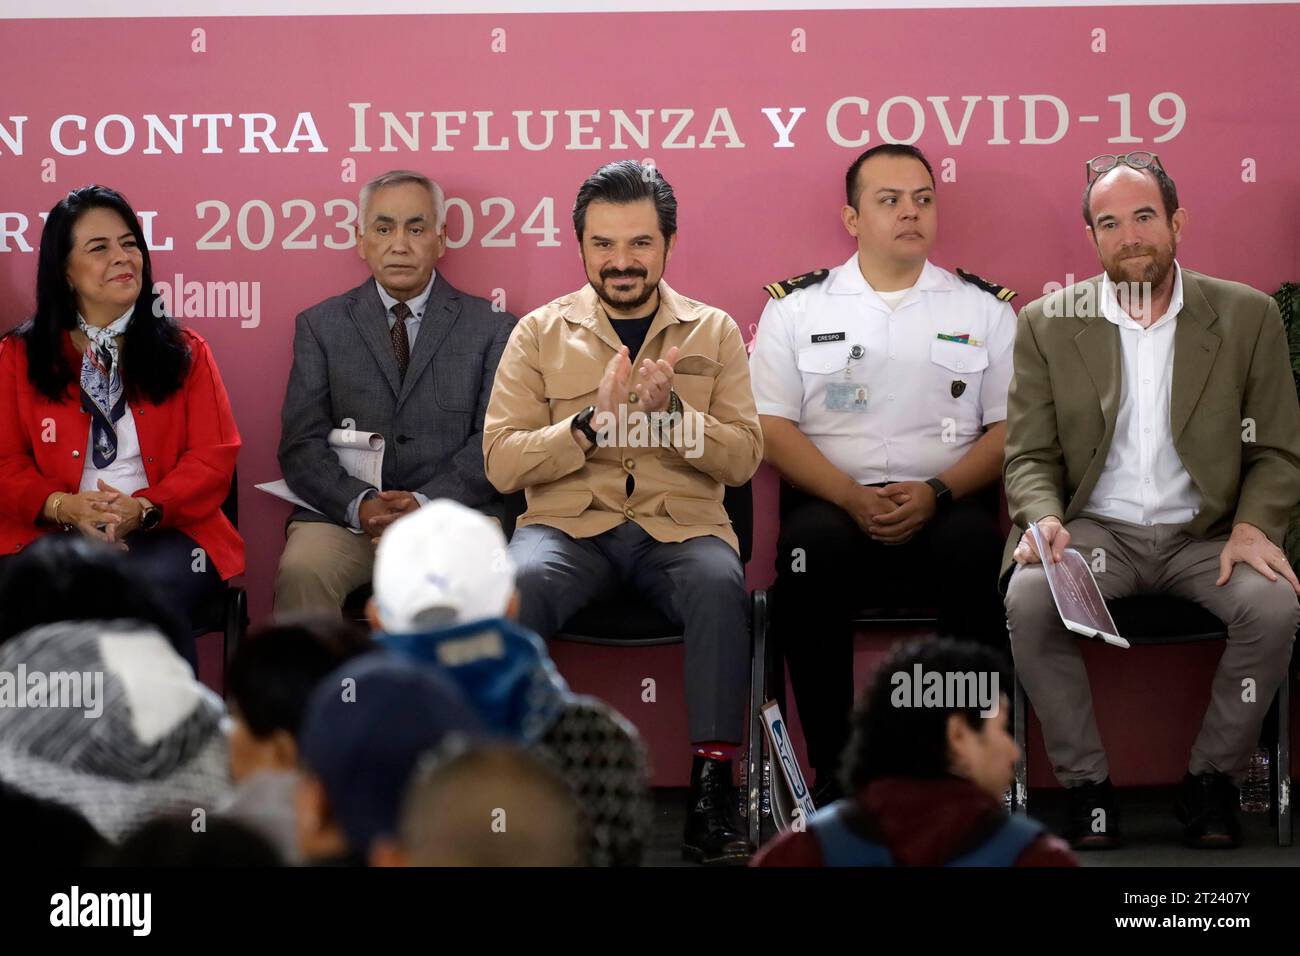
(582, 423)
(674, 403)
(942, 493)
(151, 517)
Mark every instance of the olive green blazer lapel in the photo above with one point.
(1098, 345)
(1195, 348)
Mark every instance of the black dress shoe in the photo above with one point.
(1207, 807)
(713, 832)
(1092, 817)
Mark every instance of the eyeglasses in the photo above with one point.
(1140, 159)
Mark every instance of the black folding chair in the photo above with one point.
(769, 658)
(226, 610)
(1150, 619)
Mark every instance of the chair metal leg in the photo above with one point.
(757, 689)
(1020, 722)
(1282, 761)
(235, 625)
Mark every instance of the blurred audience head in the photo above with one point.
(487, 805)
(943, 736)
(184, 841)
(69, 577)
(366, 725)
(107, 719)
(441, 566)
(40, 832)
(274, 671)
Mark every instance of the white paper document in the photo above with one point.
(1074, 589)
(360, 453)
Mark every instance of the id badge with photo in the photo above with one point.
(846, 397)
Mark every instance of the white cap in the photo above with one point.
(446, 558)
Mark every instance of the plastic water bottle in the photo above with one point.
(1255, 789)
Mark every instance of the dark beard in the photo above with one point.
(627, 305)
(1155, 272)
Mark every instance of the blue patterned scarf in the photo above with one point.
(102, 394)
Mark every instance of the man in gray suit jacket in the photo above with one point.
(406, 355)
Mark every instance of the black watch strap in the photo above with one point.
(942, 493)
(582, 423)
(152, 518)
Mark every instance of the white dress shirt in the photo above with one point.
(924, 400)
(1144, 481)
(417, 306)
(126, 471)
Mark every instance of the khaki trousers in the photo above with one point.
(321, 565)
(1260, 616)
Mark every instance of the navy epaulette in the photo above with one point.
(1000, 292)
(779, 290)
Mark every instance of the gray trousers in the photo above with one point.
(1260, 616)
(698, 585)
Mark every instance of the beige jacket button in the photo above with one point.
(629, 464)
(631, 398)
(629, 512)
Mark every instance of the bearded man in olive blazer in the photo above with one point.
(1152, 415)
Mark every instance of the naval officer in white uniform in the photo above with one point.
(881, 386)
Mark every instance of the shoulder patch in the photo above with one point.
(992, 288)
(779, 290)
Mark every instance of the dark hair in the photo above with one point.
(890, 741)
(172, 841)
(155, 358)
(275, 669)
(852, 191)
(45, 832)
(1168, 191)
(627, 181)
(69, 577)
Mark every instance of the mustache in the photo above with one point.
(636, 273)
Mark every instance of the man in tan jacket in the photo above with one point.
(1152, 419)
(623, 409)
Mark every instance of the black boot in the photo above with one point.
(1092, 817)
(1207, 807)
(713, 834)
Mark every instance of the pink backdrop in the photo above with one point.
(750, 213)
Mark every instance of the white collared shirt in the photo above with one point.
(416, 306)
(126, 471)
(927, 399)
(1144, 481)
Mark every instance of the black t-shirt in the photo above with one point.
(632, 332)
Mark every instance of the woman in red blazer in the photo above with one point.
(114, 422)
